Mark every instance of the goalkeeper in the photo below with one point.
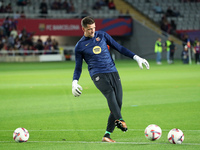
(92, 47)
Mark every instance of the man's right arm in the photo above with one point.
(76, 88)
(78, 65)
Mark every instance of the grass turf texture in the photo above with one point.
(37, 96)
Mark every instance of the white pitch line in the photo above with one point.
(95, 142)
(81, 130)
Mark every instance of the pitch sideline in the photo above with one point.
(93, 142)
(72, 130)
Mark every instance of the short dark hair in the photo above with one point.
(87, 20)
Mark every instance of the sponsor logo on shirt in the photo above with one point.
(97, 50)
(97, 78)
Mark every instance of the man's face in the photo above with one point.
(89, 30)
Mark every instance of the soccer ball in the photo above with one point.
(153, 132)
(21, 135)
(175, 136)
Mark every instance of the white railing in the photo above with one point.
(28, 52)
(35, 56)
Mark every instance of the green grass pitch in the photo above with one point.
(38, 97)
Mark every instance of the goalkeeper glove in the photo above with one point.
(76, 88)
(141, 61)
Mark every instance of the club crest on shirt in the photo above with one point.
(98, 39)
(97, 50)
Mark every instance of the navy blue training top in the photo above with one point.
(96, 54)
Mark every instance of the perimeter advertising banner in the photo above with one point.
(72, 27)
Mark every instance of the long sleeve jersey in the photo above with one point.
(96, 54)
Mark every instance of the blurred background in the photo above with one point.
(47, 30)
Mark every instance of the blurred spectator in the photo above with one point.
(22, 15)
(43, 4)
(13, 23)
(29, 41)
(14, 33)
(1, 44)
(59, 4)
(48, 43)
(28, 2)
(26, 38)
(16, 15)
(167, 48)
(1, 3)
(106, 2)
(2, 9)
(5, 47)
(97, 5)
(172, 51)
(23, 40)
(6, 26)
(121, 14)
(25, 49)
(17, 43)
(158, 51)
(169, 12)
(21, 2)
(31, 49)
(172, 12)
(56, 5)
(84, 13)
(43, 12)
(5, 9)
(2, 35)
(71, 7)
(102, 2)
(176, 12)
(40, 40)
(164, 25)
(185, 55)
(197, 53)
(23, 33)
(111, 5)
(126, 15)
(54, 46)
(11, 41)
(195, 41)
(189, 0)
(157, 8)
(185, 39)
(173, 28)
(8, 8)
(39, 44)
(43, 9)
(65, 6)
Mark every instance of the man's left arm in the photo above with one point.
(121, 49)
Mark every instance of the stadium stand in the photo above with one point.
(60, 9)
(21, 43)
(186, 18)
(186, 14)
